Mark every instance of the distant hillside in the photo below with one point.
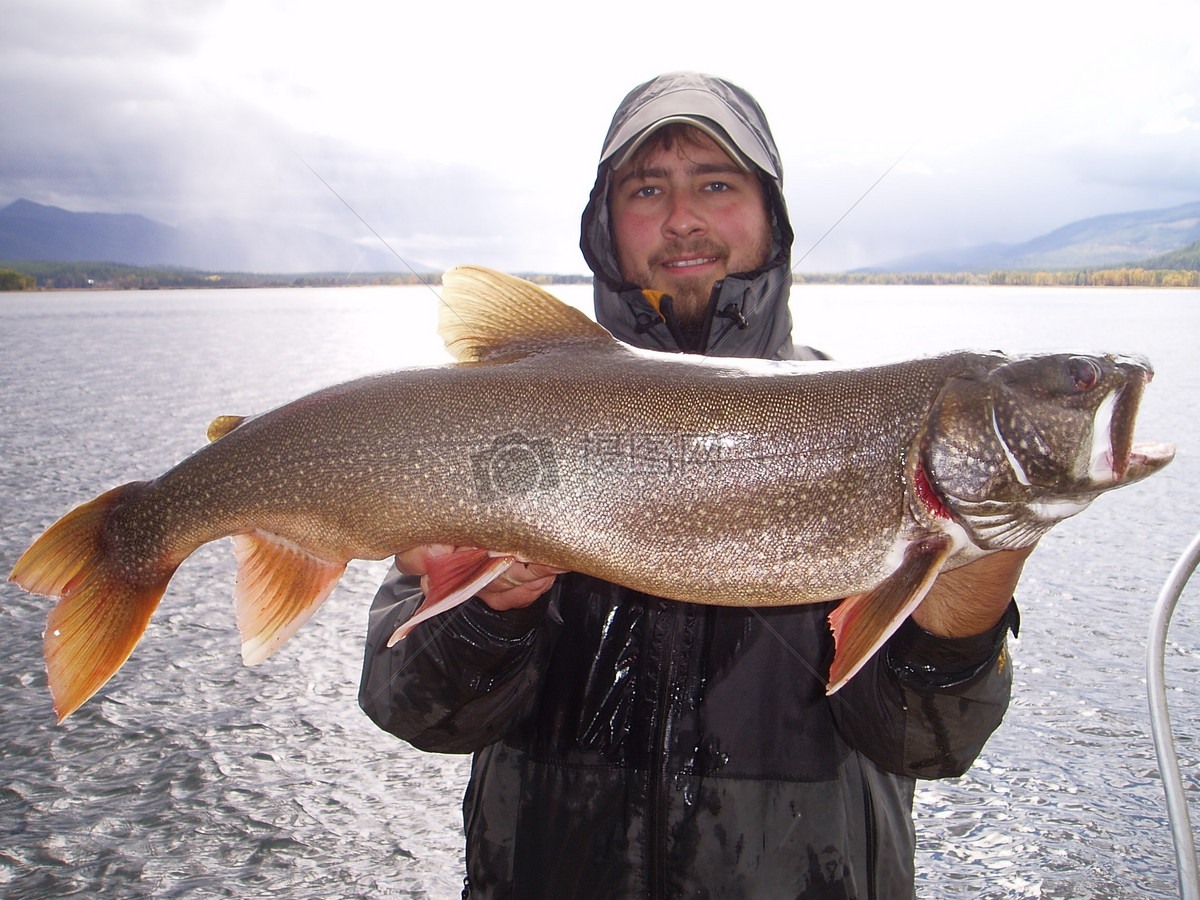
(1102, 241)
(35, 232)
(1184, 258)
(31, 231)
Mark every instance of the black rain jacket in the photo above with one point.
(628, 746)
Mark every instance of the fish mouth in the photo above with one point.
(1116, 459)
(1146, 459)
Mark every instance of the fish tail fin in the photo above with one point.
(101, 613)
(279, 586)
(454, 578)
(863, 622)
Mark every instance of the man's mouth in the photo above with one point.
(688, 263)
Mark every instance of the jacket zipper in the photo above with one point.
(872, 837)
(660, 775)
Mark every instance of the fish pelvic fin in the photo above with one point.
(279, 586)
(863, 622)
(222, 425)
(101, 613)
(454, 578)
(487, 316)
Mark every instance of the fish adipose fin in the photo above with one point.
(279, 586)
(487, 316)
(222, 425)
(863, 622)
(101, 614)
(454, 578)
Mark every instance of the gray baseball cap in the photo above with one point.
(723, 111)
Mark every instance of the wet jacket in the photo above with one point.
(630, 746)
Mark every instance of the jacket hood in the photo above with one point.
(748, 311)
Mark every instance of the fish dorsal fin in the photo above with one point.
(487, 316)
(222, 425)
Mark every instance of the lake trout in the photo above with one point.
(721, 481)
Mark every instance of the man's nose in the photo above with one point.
(683, 219)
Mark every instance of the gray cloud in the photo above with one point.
(114, 30)
(102, 112)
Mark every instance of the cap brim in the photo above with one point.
(627, 153)
(692, 106)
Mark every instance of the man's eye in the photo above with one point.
(718, 187)
(646, 190)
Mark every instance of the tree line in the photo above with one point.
(1122, 277)
(117, 277)
(111, 276)
(1119, 277)
(11, 280)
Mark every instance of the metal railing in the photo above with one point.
(1160, 722)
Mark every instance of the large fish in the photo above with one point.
(718, 481)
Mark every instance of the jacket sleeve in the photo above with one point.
(457, 682)
(924, 706)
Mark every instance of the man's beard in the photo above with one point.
(690, 302)
(690, 295)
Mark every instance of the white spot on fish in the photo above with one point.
(1100, 467)
(1057, 510)
(1013, 462)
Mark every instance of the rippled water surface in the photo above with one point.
(189, 775)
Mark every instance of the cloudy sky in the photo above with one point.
(467, 131)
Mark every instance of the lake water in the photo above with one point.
(189, 775)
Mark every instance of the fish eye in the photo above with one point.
(1084, 372)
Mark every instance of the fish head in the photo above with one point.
(1015, 445)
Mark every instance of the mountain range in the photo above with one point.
(1103, 241)
(33, 232)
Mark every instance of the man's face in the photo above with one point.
(684, 217)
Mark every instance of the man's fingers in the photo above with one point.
(413, 560)
(519, 585)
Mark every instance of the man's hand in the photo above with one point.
(971, 599)
(518, 587)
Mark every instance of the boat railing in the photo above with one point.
(1160, 722)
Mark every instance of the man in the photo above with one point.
(629, 746)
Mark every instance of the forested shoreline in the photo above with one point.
(29, 276)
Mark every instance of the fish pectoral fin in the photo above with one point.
(101, 614)
(279, 586)
(863, 622)
(454, 578)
